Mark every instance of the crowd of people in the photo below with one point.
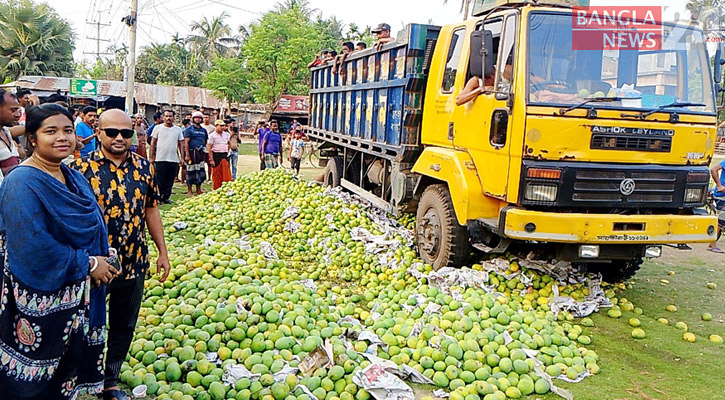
(382, 36)
(271, 144)
(79, 189)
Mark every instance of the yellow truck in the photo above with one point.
(593, 156)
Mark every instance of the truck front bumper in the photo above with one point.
(520, 224)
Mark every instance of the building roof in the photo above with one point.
(145, 93)
(250, 108)
(177, 95)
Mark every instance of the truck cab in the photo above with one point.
(600, 156)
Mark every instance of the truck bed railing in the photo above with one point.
(375, 101)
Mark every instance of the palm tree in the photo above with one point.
(213, 39)
(353, 31)
(465, 6)
(302, 5)
(178, 40)
(243, 33)
(34, 40)
(336, 26)
(706, 13)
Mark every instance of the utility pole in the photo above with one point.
(98, 38)
(131, 21)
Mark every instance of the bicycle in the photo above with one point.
(715, 206)
(312, 151)
(311, 156)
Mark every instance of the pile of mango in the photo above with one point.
(269, 268)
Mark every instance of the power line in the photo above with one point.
(194, 5)
(234, 7)
(171, 13)
(98, 24)
(151, 28)
(115, 13)
(89, 14)
(175, 16)
(118, 32)
(144, 31)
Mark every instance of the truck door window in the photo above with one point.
(454, 55)
(503, 83)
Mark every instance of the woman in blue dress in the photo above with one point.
(53, 248)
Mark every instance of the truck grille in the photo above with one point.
(634, 143)
(604, 186)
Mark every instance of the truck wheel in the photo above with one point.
(617, 270)
(333, 172)
(442, 242)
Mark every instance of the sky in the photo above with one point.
(159, 20)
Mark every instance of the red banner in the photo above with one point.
(293, 104)
(617, 28)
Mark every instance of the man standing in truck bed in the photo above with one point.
(383, 35)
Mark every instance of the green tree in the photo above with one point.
(332, 25)
(278, 49)
(212, 38)
(301, 6)
(111, 68)
(167, 64)
(34, 40)
(355, 35)
(228, 80)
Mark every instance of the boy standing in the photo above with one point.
(297, 150)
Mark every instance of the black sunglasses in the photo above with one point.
(113, 132)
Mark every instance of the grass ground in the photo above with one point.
(663, 361)
(660, 367)
(248, 162)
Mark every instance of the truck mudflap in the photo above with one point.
(520, 224)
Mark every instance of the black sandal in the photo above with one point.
(116, 393)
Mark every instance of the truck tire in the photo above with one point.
(333, 172)
(617, 270)
(442, 242)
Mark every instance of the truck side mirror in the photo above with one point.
(481, 58)
(475, 59)
(488, 53)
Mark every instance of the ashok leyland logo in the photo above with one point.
(617, 28)
(626, 187)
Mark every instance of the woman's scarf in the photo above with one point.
(52, 228)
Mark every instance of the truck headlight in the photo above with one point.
(589, 251)
(653, 251)
(694, 195)
(541, 192)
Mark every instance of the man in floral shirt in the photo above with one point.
(125, 186)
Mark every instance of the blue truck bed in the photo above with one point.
(375, 103)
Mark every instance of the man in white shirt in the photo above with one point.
(9, 114)
(167, 148)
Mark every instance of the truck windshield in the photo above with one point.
(645, 80)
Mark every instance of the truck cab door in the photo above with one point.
(483, 124)
(446, 76)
